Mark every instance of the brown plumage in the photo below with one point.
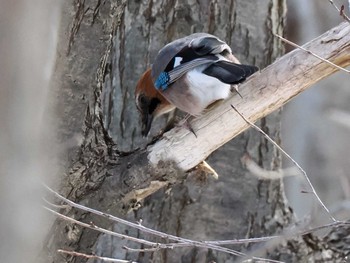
(150, 102)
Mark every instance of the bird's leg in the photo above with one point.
(235, 88)
(182, 123)
(185, 123)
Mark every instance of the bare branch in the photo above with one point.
(102, 230)
(290, 158)
(215, 245)
(183, 241)
(340, 11)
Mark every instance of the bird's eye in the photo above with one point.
(142, 100)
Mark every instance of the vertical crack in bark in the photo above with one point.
(149, 17)
(96, 10)
(116, 12)
(121, 60)
(110, 105)
(179, 216)
(79, 16)
(269, 36)
(170, 31)
(232, 22)
(211, 17)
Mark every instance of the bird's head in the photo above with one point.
(149, 101)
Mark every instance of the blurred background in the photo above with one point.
(28, 36)
(316, 124)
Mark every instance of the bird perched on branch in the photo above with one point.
(189, 73)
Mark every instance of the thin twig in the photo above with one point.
(340, 11)
(158, 246)
(318, 228)
(129, 249)
(78, 254)
(294, 232)
(241, 241)
(152, 244)
(56, 206)
(290, 158)
(311, 53)
(264, 239)
(205, 244)
(148, 230)
(102, 230)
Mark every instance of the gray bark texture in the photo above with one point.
(104, 47)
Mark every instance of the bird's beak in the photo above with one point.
(146, 123)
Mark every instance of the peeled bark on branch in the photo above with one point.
(264, 93)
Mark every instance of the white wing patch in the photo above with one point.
(177, 61)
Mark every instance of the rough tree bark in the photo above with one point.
(104, 46)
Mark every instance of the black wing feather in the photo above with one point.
(230, 73)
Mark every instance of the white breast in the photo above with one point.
(208, 89)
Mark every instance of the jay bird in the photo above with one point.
(189, 73)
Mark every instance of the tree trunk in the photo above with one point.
(104, 47)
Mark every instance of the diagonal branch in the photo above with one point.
(262, 94)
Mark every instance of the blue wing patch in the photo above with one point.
(162, 81)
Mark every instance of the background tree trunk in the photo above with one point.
(328, 115)
(104, 47)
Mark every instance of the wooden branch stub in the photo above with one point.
(262, 94)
